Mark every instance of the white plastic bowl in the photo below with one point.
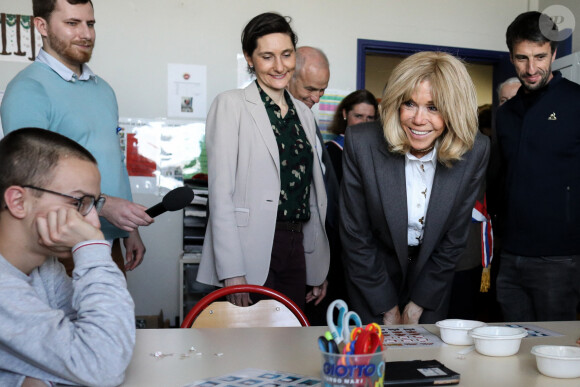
(454, 331)
(558, 361)
(497, 340)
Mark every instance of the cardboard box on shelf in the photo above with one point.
(151, 322)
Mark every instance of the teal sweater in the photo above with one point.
(85, 111)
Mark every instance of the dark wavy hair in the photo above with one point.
(265, 24)
(527, 27)
(338, 124)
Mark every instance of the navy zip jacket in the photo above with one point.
(538, 136)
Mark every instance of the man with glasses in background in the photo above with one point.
(54, 328)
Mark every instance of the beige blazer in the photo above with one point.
(244, 189)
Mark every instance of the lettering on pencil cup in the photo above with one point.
(366, 370)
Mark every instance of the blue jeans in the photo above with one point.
(538, 288)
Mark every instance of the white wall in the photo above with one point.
(137, 38)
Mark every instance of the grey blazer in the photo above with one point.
(244, 189)
(373, 226)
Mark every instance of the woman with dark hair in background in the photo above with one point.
(266, 191)
(357, 107)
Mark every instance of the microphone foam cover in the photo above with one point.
(177, 198)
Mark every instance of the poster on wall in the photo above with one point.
(20, 42)
(160, 153)
(326, 109)
(187, 91)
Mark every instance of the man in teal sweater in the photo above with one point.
(59, 92)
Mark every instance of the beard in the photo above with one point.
(69, 51)
(545, 77)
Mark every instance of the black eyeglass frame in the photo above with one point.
(98, 203)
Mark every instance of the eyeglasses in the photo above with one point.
(84, 204)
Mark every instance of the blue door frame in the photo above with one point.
(502, 68)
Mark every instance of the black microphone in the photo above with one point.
(174, 200)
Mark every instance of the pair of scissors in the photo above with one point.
(367, 342)
(373, 327)
(327, 345)
(347, 350)
(340, 329)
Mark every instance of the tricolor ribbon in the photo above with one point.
(479, 214)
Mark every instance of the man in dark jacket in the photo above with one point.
(538, 133)
(308, 84)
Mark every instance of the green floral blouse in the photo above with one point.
(296, 160)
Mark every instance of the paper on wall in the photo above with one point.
(186, 90)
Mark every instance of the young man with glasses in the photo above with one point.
(84, 204)
(54, 328)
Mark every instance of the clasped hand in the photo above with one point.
(411, 315)
(317, 293)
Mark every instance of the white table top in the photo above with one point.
(295, 350)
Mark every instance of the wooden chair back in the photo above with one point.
(279, 311)
(264, 313)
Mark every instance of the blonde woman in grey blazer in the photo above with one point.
(246, 179)
(408, 189)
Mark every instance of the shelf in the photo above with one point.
(194, 226)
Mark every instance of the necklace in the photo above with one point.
(424, 150)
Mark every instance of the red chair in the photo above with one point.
(277, 311)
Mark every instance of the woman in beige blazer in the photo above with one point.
(266, 191)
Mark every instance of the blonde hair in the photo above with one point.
(453, 95)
